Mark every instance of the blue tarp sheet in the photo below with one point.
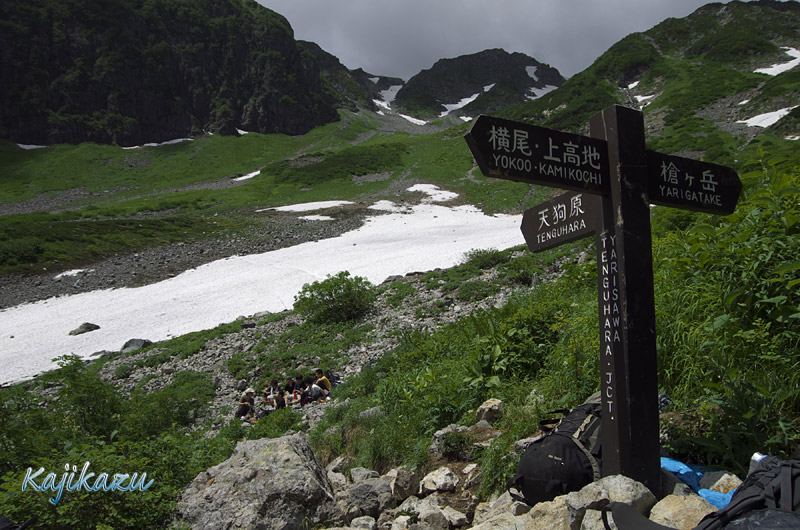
(691, 476)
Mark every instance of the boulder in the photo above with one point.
(404, 482)
(437, 444)
(369, 497)
(86, 327)
(681, 512)
(338, 480)
(593, 520)
(357, 474)
(442, 479)
(726, 483)
(270, 483)
(504, 521)
(491, 410)
(135, 344)
(614, 488)
(504, 504)
(551, 515)
(364, 522)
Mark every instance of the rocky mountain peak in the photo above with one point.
(478, 83)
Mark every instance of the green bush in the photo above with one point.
(122, 371)
(486, 258)
(338, 298)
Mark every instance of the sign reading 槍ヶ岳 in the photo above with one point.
(613, 179)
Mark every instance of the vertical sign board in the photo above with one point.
(614, 179)
(628, 360)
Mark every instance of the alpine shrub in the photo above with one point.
(338, 298)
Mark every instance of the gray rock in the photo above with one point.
(337, 464)
(369, 497)
(404, 482)
(490, 411)
(615, 488)
(442, 479)
(593, 520)
(364, 522)
(374, 411)
(277, 484)
(551, 515)
(86, 327)
(135, 344)
(681, 512)
(504, 521)
(357, 474)
(338, 480)
(724, 483)
(437, 443)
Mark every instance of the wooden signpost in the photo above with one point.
(613, 179)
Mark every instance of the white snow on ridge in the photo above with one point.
(375, 79)
(489, 87)
(539, 92)
(434, 193)
(644, 99)
(768, 118)
(153, 144)
(310, 206)
(73, 272)
(460, 105)
(248, 176)
(415, 121)
(531, 70)
(28, 147)
(413, 238)
(782, 67)
(633, 85)
(317, 217)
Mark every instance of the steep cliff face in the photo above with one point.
(495, 78)
(129, 71)
(349, 88)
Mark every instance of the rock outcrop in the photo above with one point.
(276, 484)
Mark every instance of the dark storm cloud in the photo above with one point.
(401, 37)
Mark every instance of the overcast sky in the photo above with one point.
(401, 37)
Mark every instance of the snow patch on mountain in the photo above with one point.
(534, 92)
(779, 68)
(460, 105)
(768, 118)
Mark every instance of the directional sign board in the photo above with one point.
(565, 218)
(526, 153)
(613, 179)
(691, 184)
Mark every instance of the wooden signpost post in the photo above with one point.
(613, 179)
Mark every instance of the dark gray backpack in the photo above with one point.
(566, 458)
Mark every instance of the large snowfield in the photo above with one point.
(396, 241)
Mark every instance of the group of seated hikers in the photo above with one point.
(296, 393)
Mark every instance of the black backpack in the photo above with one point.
(566, 458)
(768, 499)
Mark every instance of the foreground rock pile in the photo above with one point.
(281, 484)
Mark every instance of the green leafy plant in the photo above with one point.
(338, 298)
